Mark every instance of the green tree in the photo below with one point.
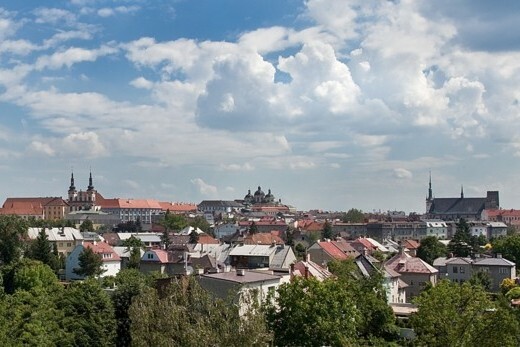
(253, 228)
(300, 250)
(194, 237)
(134, 246)
(431, 249)
(354, 216)
(509, 247)
(460, 244)
(201, 223)
(89, 314)
(90, 263)
(130, 283)
(377, 319)
(450, 314)
(12, 230)
(87, 225)
(326, 232)
(307, 312)
(481, 279)
(173, 222)
(41, 249)
(187, 315)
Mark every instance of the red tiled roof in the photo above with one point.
(262, 239)
(410, 244)
(102, 248)
(207, 240)
(178, 206)
(130, 203)
(367, 244)
(333, 250)
(30, 206)
(403, 263)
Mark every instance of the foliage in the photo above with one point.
(253, 228)
(326, 232)
(28, 274)
(509, 247)
(41, 249)
(289, 236)
(134, 261)
(132, 242)
(90, 263)
(173, 222)
(89, 314)
(354, 216)
(201, 223)
(129, 226)
(194, 237)
(482, 279)
(514, 293)
(87, 225)
(377, 320)
(507, 284)
(47, 223)
(450, 314)
(130, 283)
(431, 249)
(188, 316)
(307, 312)
(300, 250)
(460, 244)
(12, 230)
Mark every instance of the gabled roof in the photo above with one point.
(493, 262)
(178, 206)
(457, 205)
(410, 244)
(103, 248)
(332, 250)
(247, 277)
(262, 239)
(56, 234)
(312, 269)
(404, 263)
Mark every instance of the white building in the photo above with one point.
(111, 260)
(65, 238)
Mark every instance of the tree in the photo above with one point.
(509, 247)
(460, 244)
(12, 230)
(187, 315)
(90, 263)
(450, 314)
(42, 250)
(326, 232)
(300, 250)
(253, 228)
(130, 283)
(431, 249)
(89, 314)
(194, 237)
(481, 279)
(173, 222)
(87, 225)
(354, 216)
(307, 312)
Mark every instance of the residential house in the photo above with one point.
(437, 228)
(455, 269)
(322, 252)
(111, 260)
(150, 240)
(124, 254)
(496, 229)
(264, 225)
(64, 239)
(274, 257)
(415, 272)
(363, 246)
(497, 268)
(509, 217)
(165, 262)
(262, 239)
(242, 283)
(411, 246)
(309, 269)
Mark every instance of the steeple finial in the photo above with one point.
(461, 191)
(430, 193)
(90, 185)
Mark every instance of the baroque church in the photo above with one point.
(259, 197)
(82, 200)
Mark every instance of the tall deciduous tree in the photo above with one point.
(451, 314)
(87, 225)
(90, 263)
(187, 315)
(12, 230)
(354, 216)
(509, 247)
(307, 312)
(430, 249)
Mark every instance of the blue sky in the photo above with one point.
(331, 104)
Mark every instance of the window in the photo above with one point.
(455, 269)
(462, 270)
(502, 270)
(150, 255)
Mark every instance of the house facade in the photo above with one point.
(111, 260)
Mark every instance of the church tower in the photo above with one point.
(429, 198)
(72, 193)
(91, 193)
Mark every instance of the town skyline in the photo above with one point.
(331, 105)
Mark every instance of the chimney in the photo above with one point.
(306, 271)
(291, 273)
(308, 257)
(499, 255)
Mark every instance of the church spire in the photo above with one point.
(430, 193)
(90, 185)
(461, 191)
(72, 186)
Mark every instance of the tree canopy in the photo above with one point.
(354, 216)
(509, 247)
(12, 230)
(90, 263)
(461, 243)
(431, 249)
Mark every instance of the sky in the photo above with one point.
(331, 104)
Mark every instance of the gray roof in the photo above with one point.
(248, 277)
(457, 205)
(493, 262)
(220, 203)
